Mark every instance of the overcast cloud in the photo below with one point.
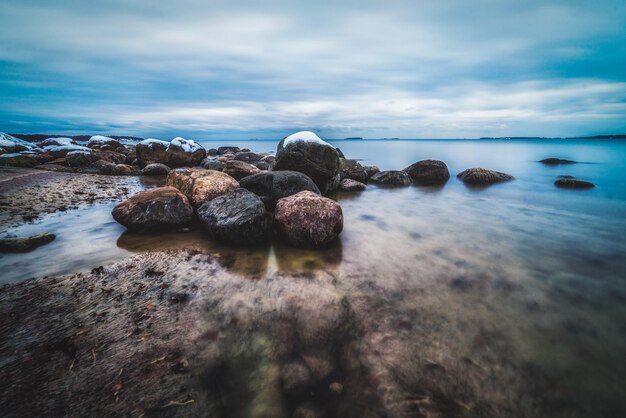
(414, 69)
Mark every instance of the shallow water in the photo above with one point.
(533, 273)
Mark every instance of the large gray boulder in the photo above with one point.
(482, 177)
(273, 185)
(184, 153)
(571, 182)
(428, 172)
(307, 153)
(151, 151)
(392, 178)
(352, 169)
(238, 217)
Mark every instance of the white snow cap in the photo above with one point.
(304, 136)
(151, 141)
(55, 148)
(57, 141)
(7, 141)
(188, 145)
(99, 140)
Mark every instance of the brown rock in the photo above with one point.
(239, 169)
(186, 180)
(349, 185)
(482, 177)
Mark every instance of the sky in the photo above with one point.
(216, 69)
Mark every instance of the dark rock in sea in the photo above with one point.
(201, 185)
(352, 169)
(570, 182)
(483, 177)
(123, 170)
(184, 153)
(104, 143)
(151, 151)
(80, 158)
(370, 170)
(239, 169)
(238, 217)
(162, 208)
(391, 178)
(18, 160)
(349, 185)
(307, 153)
(308, 220)
(155, 169)
(556, 161)
(248, 157)
(428, 172)
(212, 165)
(22, 245)
(228, 150)
(273, 185)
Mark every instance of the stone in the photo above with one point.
(105, 143)
(391, 178)
(274, 185)
(248, 157)
(80, 158)
(371, 170)
(335, 388)
(110, 156)
(237, 217)
(159, 209)
(18, 160)
(307, 219)
(184, 153)
(59, 151)
(211, 185)
(122, 170)
(155, 169)
(570, 182)
(349, 185)
(151, 151)
(228, 150)
(239, 169)
(428, 172)
(482, 177)
(213, 165)
(22, 245)
(307, 153)
(352, 169)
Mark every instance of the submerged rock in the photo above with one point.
(162, 208)
(482, 177)
(556, 161)
(349, 185)
(570, 182)
(428, 172)
(307, 153)
(22, 245)
(391, 178)
(239, 169)
(274, 185)
(155, 169)
(238, 217)
(308, 220)
(352, 169)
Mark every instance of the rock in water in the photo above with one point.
(238, 217)
(200, 185)
(22, 245)
(483, 177)
(428, 172)
(391, 178)
(184, 153)
(352, 169)
(12, 144)
(349, 185)
(274, 185)
(307, 153)
(570, 182)
(151, 151)
(239, 169)
(556, 161)
(155, 169)
(162, 208)
(18, 160)
(308, 220)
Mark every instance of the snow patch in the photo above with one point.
(150, 142)
(57, 141)
(60, 148)
(79, 152)
(187, 145)
(8, 141)
(304, 136)
(100, 140)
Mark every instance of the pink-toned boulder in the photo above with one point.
(201, 185)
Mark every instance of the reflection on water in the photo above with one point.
(519, 287)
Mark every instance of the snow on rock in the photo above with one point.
(150, 142)
(62, 150)
(12, 144)
(187, 145)
(304, 136)
(56, 141)
(100, 140)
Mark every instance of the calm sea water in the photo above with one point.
(535, 271)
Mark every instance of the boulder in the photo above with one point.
(428, 172)
(122, 170)
(239, 169)
(349, 185)
(184, 153)
(482, 177)
(162, 208)
(110, 156)
(307, 219)
(101, 167)
(80, 158)
(57, 141)
(104, 143)
(352, 169)
(237, 217)
(212, 165)
(273, 185)
(307, 153)
(371, 170)
(570, 182)
(155, 169)
(391, 178)
(248, 157)
(228, 150)
(187, 180)
(22, 245)
(151, 151)
(11, 144)
(212, 152)
(556, 161)
(59, 151)
(18, 160)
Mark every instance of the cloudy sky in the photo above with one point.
(231, 69)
